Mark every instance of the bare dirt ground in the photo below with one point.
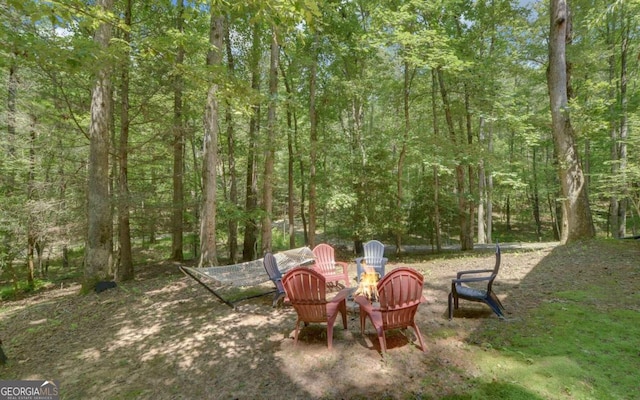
(164, 337)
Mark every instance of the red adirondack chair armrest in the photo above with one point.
(341, 295)
(365, 304)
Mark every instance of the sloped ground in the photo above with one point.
(165, 337)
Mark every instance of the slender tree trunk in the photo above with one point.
(99, 236)
(470, 203)
(313, 138)
(233, 174)
(249, 251)
(12, 94)
(613, 134)
(124, 268)
(436, 174)
(489, 191)
(624, 125)
(535, 196)
(177, 218)
(401, 159)
(482, 195)
(303, 181)
(576, 211)
(269, 159)
(290, 161)
(208, 249)
(460, 186)
(32, 235)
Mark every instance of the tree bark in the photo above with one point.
(99, 235)
(177, 218)
(460, 186)
(401, 158)
(249, 251)
(624, 127)
(577, 219)
(269, 159)
(472, 186)
(436, 174)
(124, 268)
(233, 173)
(482, 194)
(208, 248)
(290, 160)
(313, 139)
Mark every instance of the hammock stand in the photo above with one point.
(250, 273)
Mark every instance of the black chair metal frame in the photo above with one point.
(459, 289)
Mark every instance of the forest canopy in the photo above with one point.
(236, 127)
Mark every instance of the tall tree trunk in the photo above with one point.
(124, 268)
(470, 203)
(290, 160)
(535, 196)
(401, 158)
(32, 234)
(12, 94)
(249, 251)
(313, 139)
(208, 249)
(436, 174)
(269, 159)
(482, 187)
(624, 125)
(99, 235)
(576, 211)
(177, 218)
(233, 173)
(460, 186)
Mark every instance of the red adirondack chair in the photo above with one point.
(306, 290)
(400, 294)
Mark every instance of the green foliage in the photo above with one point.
(492, 57)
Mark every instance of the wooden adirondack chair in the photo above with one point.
(461, 290)
(399, 295)
(373, 258)
(325, 263)
(306, 290)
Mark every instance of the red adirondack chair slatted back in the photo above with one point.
(306, 290)
(400, 296)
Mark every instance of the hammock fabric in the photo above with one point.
(250, 273)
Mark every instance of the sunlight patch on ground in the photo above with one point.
(546, 376)
(90, 355)
(129, 335)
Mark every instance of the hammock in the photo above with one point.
(250, 273)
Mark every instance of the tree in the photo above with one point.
(177, 221)
(577, 221)
(208, 250)
(99, 236)
(124, 265)
(251, 186)
(269, 159)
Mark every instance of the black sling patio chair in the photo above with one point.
(461, 290)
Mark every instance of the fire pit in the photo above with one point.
(368, 286)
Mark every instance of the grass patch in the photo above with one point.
(569, 348)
